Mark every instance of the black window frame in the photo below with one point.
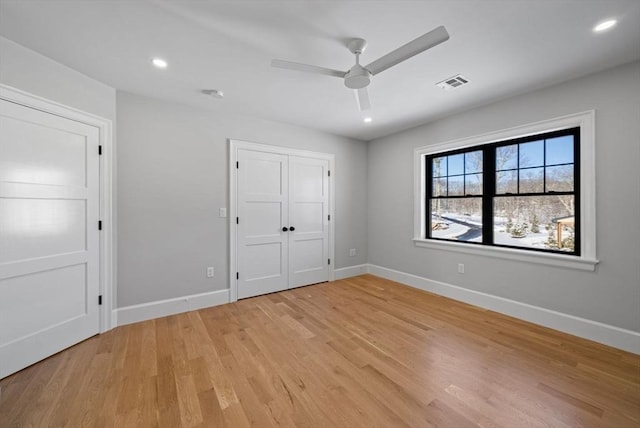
(489, 193)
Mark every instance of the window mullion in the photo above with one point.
(429, 184)
(576, 192)
(544, 166)
(488, 191)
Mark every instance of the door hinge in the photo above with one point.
(237, 220)
(237, 275)
(329, 217)
(237, 165)
(328, 261)
(328, 173)
(99, 224)
(99, 149)
(100, 299)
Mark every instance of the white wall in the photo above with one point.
(173, 178)
(611, 294)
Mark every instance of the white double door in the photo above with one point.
(282, 221)
(49, 255)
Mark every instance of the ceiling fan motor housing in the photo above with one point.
(358, 77)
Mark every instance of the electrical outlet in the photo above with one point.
(223, 212)
(210, 272)
(460, 267)
(352, 252)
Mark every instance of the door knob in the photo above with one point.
(284, 229)
(292, 228)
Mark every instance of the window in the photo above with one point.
(525, 193)
(455, 195)
(516, 193)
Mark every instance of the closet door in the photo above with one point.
(262, 246)
(49, 255)
(309, 221)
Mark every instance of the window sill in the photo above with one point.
(549, 259)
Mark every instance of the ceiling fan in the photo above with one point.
(359, 77)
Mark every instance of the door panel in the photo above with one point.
(41, 154)
(262, 246)
(42, 227)
(262, 218)
(49, 256)
(23, 295)
(308, 213)
(309, 255)
(264, 262)
(309, 217)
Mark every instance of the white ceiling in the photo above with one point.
(503, 47)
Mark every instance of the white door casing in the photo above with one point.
(53, 263)
(300, 192)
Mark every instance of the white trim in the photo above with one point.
(587, 260)
(114, 317)
(107, 237)
(233, 209)
(234, 146)
(332, 213)
(538, 257)
(350, 271)
(616, 337)
(177, 305)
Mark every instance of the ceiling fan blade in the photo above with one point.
(362, 96)
(278, 63)
(414, 47)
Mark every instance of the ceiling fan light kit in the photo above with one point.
(359, 77)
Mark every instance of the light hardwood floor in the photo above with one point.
(361, 352)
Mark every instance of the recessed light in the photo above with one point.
(604, 25)
(159, 62)
(367, 120)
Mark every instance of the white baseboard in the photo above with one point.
(163, 308)
(114, 318)
(616, 337)
(350, 271)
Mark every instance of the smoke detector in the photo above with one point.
(215, 93)
(452, 82)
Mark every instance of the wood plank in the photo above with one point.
(360, 352)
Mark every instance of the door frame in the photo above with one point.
(234, 146)
(107, 236)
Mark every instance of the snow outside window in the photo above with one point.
(518, 193)
(525, 193)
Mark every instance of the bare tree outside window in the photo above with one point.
(532, 199)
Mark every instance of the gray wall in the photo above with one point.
(173, 178)
(610, 295)
(32, 72)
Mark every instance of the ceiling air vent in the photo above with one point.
(452, 82)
